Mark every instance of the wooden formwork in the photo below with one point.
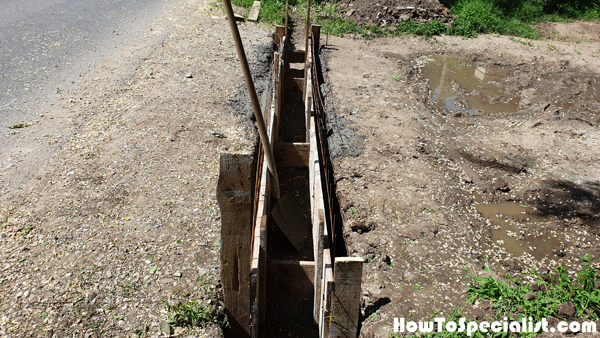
(244, 193)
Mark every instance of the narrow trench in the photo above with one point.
(290, 292)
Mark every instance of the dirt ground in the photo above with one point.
(417, 181)
(123, 217)
(390, 12)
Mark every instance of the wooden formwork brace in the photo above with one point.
(243, 193)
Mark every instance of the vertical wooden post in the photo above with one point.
(345, 305)
(279, 34)
(234, 195)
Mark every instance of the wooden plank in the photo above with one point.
(316, 34)
(277, 95)
(258, 278)
(290, 279)
(279, 34)
(296, 56)
(345, 305)
(309, 270)
(291, 155)
(254, 11)
(234, 195)
(308, 106)
(294, 85)
(326, 294)
(262, 267)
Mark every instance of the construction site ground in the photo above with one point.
(122, 219)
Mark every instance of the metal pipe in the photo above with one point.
(262, 129)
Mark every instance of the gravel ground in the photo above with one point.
(123, 217)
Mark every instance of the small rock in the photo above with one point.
(166, 328)
(350, 12)
(323, 15)
(524, 103)
(566, 310)
(189, 75)
(177, 274)
(19, 294)
(238, 17)
(25, 294)
(468, 179)
(166, 280)
(109, 274)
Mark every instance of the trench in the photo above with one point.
(290, 289)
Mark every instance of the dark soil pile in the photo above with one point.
(390, 12)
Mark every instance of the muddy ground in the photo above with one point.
(419, 191)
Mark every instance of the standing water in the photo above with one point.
(459, 84)
(501, 214)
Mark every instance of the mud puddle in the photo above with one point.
(457, 83)
(506, 216)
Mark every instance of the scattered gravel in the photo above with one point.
(123, 218)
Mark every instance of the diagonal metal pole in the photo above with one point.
(262, 130)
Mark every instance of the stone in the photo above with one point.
(109, 274)
(166, 280)
(189, 75)
(25, 294)
(177, 274)
(166, 328)
(350, 12)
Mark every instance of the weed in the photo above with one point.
(197, 314)
(554, 289)
(524, 43)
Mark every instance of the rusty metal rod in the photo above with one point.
(262, 129)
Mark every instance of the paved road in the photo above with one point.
(47, 47)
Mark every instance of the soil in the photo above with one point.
(390, 12)
(122, 217)
(410, 198)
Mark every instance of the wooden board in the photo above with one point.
(290, 279)
(254, 11)
(291, 155)
(234, 195)
(296, 56)
(345, 305)
(294, 85)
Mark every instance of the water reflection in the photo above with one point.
(459, 84)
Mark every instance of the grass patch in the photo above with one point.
(513, 296)
(515, 299)
(473, 17)
(196, 313)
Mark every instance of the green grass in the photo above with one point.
(194, 313)
(512, 298)
(506, 17)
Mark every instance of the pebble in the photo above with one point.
(25, 294)
(189, 75)
(166, 328)
(109, 274)
(177, 274)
